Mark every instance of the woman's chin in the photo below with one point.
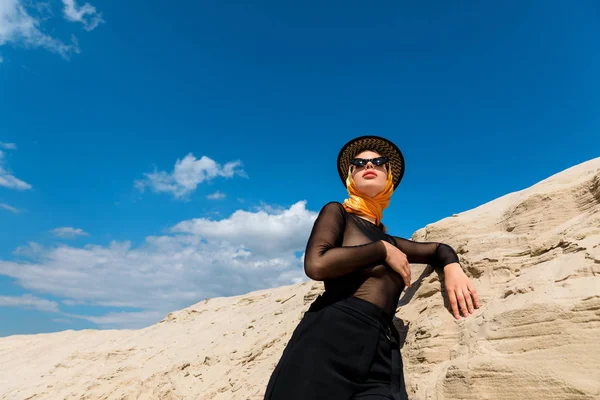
(370, 190)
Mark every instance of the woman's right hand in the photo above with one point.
(397, 261)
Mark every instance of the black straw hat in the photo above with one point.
(371, 143)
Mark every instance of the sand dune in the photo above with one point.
(534, 256)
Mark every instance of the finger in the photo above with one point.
(473, 292)
(400, 270)
(467, 297)
(406, 275)
(453, 303)
(461, 302)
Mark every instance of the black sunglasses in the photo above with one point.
(361, 162)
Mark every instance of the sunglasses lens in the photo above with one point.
(359, 162)
(380, 161)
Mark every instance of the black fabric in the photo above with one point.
(346, 347)
(347, 253)
(340, 351)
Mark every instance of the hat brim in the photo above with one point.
(372, 143)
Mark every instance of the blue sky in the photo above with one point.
(154, 154)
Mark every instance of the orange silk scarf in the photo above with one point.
(361, 204)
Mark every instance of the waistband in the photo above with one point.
(366, 309)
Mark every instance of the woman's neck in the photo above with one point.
(371, 220)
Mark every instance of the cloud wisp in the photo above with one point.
(8, 146)
(187, 174)
(28, 301)
(20, 28)
(67, 232)
(7, 179)
(216, 196)
(12, 209)
(85, 14)
(21, 25)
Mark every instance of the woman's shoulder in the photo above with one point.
(333, 206)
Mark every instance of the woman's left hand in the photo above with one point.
(461, 292)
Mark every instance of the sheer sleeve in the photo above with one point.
(435, 254)
(326, 258)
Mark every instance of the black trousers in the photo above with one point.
(340, 350)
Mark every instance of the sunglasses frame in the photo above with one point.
(365, 161)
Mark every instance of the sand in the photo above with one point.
(534, 256)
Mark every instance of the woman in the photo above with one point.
(346, 346)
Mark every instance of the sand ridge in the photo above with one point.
(534, 256)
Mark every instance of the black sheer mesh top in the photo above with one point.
(347, 253)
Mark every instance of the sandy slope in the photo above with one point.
(534, 256)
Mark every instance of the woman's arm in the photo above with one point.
(435, 254)
(326, 258)
(461, 292)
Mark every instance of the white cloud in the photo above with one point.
(8, 146)
(86, 14)
(33, 250)
(8, 180)
(9, 208)
(29, 301)
(43, 8)
(216, 196)
(19, 27)
(268, 231)
(187, 175)
(198, 259)
(68, 233)
(69, 302)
